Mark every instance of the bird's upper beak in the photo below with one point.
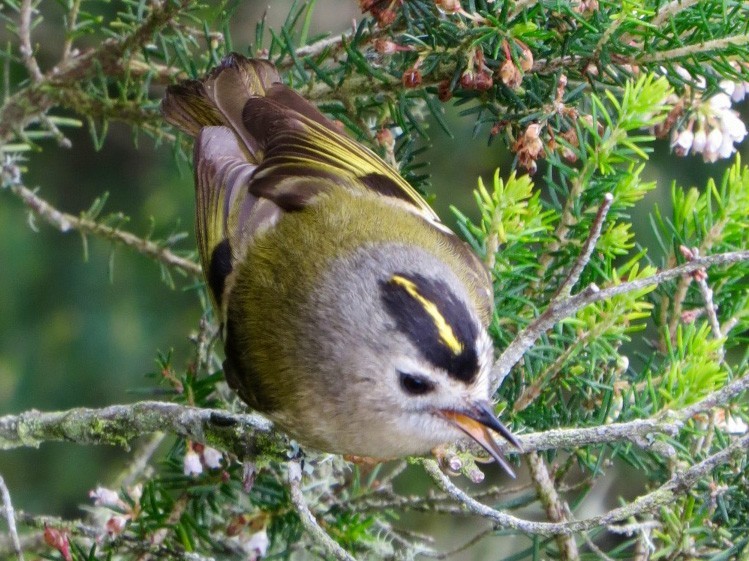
(475, 421)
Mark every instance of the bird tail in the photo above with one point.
(219, 98)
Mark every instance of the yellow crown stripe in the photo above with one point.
(445, 331)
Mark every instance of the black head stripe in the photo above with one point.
(436, 321)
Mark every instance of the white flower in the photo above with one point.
(726, 147)
(699, 142)
(732, 125)
(720, 101)
(192, 465)
(136, 492)
(105, 497)
(739, 92)
(212, 458)
(682, 72)
(714, 140)
(257, 544)
(683, 141)
(728, 87)
(736, 425)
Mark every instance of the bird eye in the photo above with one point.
(414, 384)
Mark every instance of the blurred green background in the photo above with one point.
(72, 336)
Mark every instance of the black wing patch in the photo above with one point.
(436, 321)
(219, 268)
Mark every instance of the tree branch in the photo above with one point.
(24, 37)
(65, 222)
(664, 495)
(241, 434)
(556, 509)
(308, 520)
(251, 435)
(28, 104)
(689, 50)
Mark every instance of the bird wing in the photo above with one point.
(261, 150)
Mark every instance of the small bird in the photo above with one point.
(351, 316)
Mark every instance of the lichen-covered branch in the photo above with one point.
(119, 425)
(664, 495)
(249, 435)
(308, 519)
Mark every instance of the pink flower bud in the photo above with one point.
(105, 497)
(116, 525)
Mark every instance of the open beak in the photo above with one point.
(476, 421)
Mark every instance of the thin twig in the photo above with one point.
(65, 222)
(559, 310)
(317, 48)
(138, 465)
(710, 309)
(10, 517)
(587, 250)
(308, 519)
(470, 543)
(556, 509)
(689, 50)
(665, 494)
(671, 9)
(24, 36)
(71, 21)
(610, 30)
(595, 549)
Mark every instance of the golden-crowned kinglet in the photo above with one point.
(352, 317)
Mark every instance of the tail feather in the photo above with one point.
(187, 107)
(220, 97)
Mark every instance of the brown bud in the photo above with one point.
(468, 80)
(699, 275)
(412, 78)
(385, 17)
(444, 93)
(686, 252)
(236, 525)
(385, 46)
(510, 74)
(385, 138)
(483, 81)
(383, 11)
(449, 6)
(529, 147)
(526, 58)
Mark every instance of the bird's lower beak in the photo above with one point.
(476, 421)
